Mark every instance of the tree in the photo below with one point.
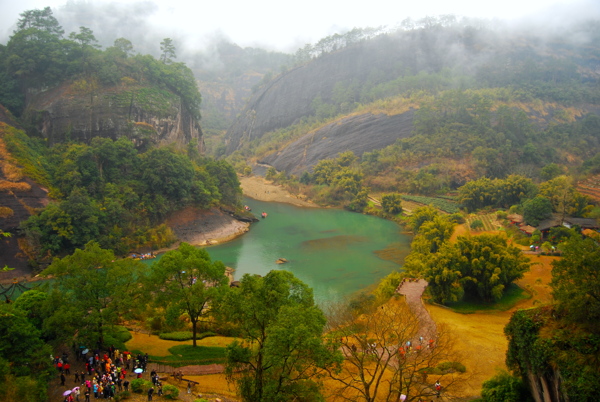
(124, 45)
(537, 209)
(550, 171)
(391, 203)
(478, 194)
(167, 173)
(433, 234)
(93, 290)
(564, 198)
(420, 216)
(282, 349)
(575, 280)
(167, 49)
(186, 281)
(443, 274)
(504, 387)
(378, 364)
(515, 189)
(42, 20)
(25, 368)
(85, 37)
(489, 264)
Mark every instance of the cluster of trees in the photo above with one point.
(285, 345)
(112, 193)
(480, 267)
(38, 56)
(537, 202)
(553, 349)
(333, 182)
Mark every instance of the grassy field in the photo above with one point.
(490, 223)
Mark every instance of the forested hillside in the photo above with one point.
(104, 146)
(430, 106)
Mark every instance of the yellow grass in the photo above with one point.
(14, 187)
(155, 346)
(481, 335)
(213, 384)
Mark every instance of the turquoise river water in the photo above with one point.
(331, 250)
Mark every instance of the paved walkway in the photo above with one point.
(186, 370)
(413, 290)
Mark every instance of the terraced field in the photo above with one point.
(489, 222)
(590, 187)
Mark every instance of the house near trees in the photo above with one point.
(569, 222)
(554, 221)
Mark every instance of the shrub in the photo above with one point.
(139, 385)
(117, 336)
(452, 367)
(476, 224)
(504, 387)
(121, 396)
(388, 285)
(170, 392)
(176, 336)
(184, 335)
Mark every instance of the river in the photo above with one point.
(335, 252)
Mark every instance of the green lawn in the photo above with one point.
(186, 355)
(512, 296)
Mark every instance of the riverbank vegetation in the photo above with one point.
(110, 192)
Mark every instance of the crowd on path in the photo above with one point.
(105, 374)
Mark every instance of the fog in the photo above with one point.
(270, 24)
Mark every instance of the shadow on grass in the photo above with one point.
(513, 295)
(188, 355)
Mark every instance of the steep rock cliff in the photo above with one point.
(356, 133)
(20, 197)
(289, 97)
(147, 115)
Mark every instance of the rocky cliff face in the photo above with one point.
(290, 96)
(19, 199)
(357, 133)
(147, 115)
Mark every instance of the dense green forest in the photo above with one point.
(38, 56)
(117, 192)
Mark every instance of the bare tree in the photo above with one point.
(389, 355)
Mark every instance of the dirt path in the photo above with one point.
(187, 370)
(413, 290)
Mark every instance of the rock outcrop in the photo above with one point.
(20, 197)
(357, 133)
(146, 115)
(289, 97)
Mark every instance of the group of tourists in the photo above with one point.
(104, 375)
(144, 256)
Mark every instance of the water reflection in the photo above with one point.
(333, 251)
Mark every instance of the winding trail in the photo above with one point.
(413, 290)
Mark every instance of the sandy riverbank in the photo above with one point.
(204, 227)
(258, 188)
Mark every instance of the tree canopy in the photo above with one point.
(282, 348)
(185, 280)
(575, 280)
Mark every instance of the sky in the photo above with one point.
(275, 24)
